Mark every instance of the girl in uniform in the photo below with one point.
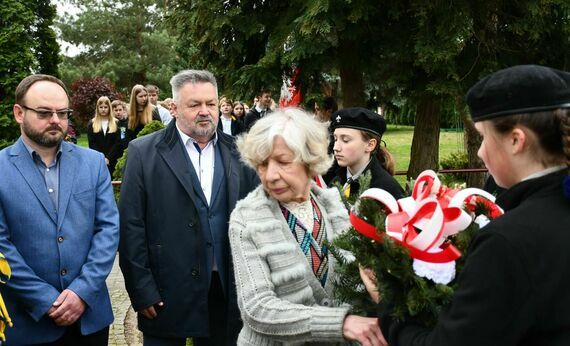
(227, 122)
(239, 110)
(357, 149)
(513, 289)
(103, 134)
(141, 112)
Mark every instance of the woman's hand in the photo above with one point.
(369, 279)
(365, 330)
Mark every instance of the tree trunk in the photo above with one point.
(351, 78)
(472, 143)
(425, 144)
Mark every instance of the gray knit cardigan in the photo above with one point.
(280, 299)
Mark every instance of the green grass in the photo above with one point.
(399, 143)
(82, 141)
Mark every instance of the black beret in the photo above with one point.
(517, 90)
(358, 118)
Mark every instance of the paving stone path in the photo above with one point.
(123, 331)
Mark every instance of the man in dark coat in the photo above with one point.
(180, 186)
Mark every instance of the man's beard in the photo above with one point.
(44, 139)
(200, 131)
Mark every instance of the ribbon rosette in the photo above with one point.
(424, 222)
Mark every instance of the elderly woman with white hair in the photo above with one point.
(278, 236)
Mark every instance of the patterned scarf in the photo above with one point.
(312, 244)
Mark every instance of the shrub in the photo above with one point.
(456, 160)
(86, 92)
(151, 127)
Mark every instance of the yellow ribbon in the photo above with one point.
(346, 191)
(4, 317)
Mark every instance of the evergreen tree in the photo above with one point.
(28, 46)
(47, 48)
(429, 53)
(252, 43)
(122, 40)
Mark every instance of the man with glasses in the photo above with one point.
(58, 225)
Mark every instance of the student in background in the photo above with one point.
(239, 110)
(120, 113)
(140, 113)
(163, 113)
(103, 133)
(260, 108)
(228, 123)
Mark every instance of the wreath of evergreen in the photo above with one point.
(407, 294)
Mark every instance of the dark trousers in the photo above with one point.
(217, 309)
(150, 340)
(73, 337)
(218, 316)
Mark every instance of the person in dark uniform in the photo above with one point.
(120, 111)
(357, 137)
(492, 187)
(141, 112)
(229, 124)
(103, 133)
(258, 110)
(513, 289)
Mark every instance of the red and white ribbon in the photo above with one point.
(424, 221)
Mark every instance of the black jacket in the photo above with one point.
(162, 252)
(380, 179)
(513, 289)
(237, 126)
(106, 143)
(133, 133)
(252, 117)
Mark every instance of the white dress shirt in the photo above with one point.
(226, 125)
(164, 114)
(352, 177)
(262, 111)
(203, 161)
(104, 126)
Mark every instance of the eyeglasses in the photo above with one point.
(62, 114)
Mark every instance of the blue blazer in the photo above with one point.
(50, 250)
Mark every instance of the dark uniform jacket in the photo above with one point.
(133, 133)
(162, 250)
(106, 143)
(514, 288)
(237, 126)
(253, 116)
(380, 179)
